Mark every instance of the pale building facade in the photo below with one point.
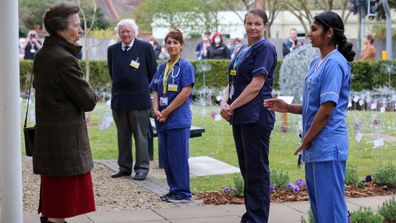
(230, 23)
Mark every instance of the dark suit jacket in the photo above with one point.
(130, 86)
(61, 146)
(286, 45)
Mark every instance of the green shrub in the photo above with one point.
(239, 186)
(388, 210)
(279, 179)
(310, 217)
(99, 75)
(365, 75)
(351, 176)
(386, 176)
(365, 215)
(25, 69)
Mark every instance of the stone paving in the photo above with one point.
(196, 212)
(290, 212)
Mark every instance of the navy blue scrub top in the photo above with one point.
(182, 75)
(258, 59)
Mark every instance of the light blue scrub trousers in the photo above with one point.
(325, 182)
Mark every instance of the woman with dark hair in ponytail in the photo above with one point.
(325, 100)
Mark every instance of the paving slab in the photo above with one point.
(372, 202)
(280, 213)
(133, 216)
(223, 219)
(204, 166)
(35, 218)
(192, 212)
(352, 206)
(238, 210)
(299, 206)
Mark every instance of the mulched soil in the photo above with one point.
(282, 195)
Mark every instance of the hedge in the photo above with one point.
(365, 75)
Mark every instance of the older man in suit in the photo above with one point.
(292, 43)
(132, 65)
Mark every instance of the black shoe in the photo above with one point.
(165, 197)
(43, 219)
(120, 174)
(175, 198)
(140, 176)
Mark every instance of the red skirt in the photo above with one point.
(65, 197)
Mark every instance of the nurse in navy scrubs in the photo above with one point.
(324, 107)
(251, 75)
(171, 87)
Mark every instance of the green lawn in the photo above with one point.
(217, 142)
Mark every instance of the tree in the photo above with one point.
(89, 17)
(271, 6)
(302, 9)
(165, 11)
(31, 13)
(196, 16)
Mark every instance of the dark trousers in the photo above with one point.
(252, 146)
(174, 150)
(132, 123)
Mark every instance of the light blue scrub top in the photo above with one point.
(330, 81)
(182, 75)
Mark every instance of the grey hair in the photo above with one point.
(130, 22)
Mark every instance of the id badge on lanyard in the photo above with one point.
(163, 101)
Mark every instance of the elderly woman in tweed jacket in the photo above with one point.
(62, 155)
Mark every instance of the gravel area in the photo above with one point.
(110, 194)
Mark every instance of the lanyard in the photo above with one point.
(240, 55)
(168, 69)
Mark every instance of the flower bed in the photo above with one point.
(280, 195)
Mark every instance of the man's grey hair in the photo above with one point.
(130, 22)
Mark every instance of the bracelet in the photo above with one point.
(288, 108)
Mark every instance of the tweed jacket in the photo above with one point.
(61, 146)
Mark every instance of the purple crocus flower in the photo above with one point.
(376, 122)
(295, 188)
(227, 190)
(349, 216)
(356, 126)
(289, 185)
(300, 183)
(368, 178)
(272, 188)
(213, 114)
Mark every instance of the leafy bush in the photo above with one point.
(310, 217)
(365, 75)
(25, 69)
(279, 179)
(351, 176)
(388, 210)
(365, 215)
(239, 186)
(386, 176)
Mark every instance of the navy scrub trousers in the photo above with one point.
(174, 149)
(252, 145)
